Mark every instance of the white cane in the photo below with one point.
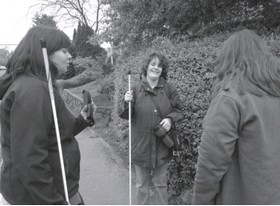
(50, 86)
(129, 137)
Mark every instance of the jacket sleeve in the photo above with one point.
(30, 120)
(220, 133)
(81, 124)
(177, 113)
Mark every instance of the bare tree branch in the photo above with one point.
(85, 11)
(97, 16)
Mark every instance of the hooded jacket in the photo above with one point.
(148, 150)
(31, 171)
(238, 161)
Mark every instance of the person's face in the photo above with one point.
(61, 60)
(154, 70)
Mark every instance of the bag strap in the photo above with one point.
(156, 105)
(166, 89)
(138, 88)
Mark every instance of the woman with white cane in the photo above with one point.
(31, 171)
(154, 103)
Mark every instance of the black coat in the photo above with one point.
(147, 150)
(31, 171)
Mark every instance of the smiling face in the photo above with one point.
(154, 69)
(61, 59)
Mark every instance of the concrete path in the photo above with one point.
(104, 180)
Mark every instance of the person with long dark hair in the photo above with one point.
(31, 171)
(238, 161)
(155, 102)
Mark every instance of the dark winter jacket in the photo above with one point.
(31, 172)
(238, 161)
(147, 150)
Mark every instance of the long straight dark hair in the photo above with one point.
(245, 59)
(28, 56)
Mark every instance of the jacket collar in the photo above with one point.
(148, 88)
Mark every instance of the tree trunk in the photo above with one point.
(97, 16)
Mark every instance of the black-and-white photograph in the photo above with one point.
(140, 102)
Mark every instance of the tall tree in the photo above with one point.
(139, 22)
(4, 56)
(83, 47)
(142, 21)
(44, 19)
(72, 11)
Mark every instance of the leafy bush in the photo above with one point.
(106, 86)
(79, 65)
(4, 56)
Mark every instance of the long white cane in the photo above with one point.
(50, 86)
(129, 136)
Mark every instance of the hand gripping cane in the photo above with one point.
(50, 86)
(129, 135)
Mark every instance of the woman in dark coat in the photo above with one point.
(238, 161)
(149, 154)
(31, 171)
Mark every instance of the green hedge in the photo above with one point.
(191, 71)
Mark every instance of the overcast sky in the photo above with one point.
(16, 19)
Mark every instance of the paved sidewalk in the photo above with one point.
(104, 180)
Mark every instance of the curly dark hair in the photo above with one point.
(162, 62)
